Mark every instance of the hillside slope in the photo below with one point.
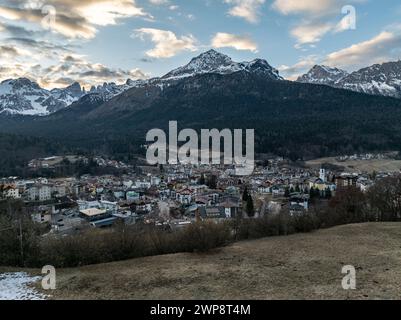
(290, 119)
(303, 266)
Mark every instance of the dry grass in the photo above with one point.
(368, 166)
(303, 266)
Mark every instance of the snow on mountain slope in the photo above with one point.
(25, 97)
(215, 62)
(323, 75)
(110, 90)
(379, 79)
(69, 94)
(22, 96)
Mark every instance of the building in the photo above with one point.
(39, 192)
(212, 213)
(185, 196)
(322, 175)
(231, 209)
(59, 190)
(301, 200)
(11, 192)
(265, 188)
(346, 181)
(99, 218)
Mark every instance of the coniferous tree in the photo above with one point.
(328, 193)
(312, 193)
(245, 195)
(202, 179)
(212, 182)
(287, 193)
(250, 209)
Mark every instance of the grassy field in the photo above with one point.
(303, 266)
(369, 166)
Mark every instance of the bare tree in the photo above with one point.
(385, 199)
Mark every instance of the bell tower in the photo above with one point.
(322, 174)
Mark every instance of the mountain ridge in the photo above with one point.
(379, 79)
(25, 97)
(44, 102)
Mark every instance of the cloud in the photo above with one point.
(11, 52)
(304, 6)
(310, 33)
(18, 31)
(318, 18)
(73, 19)
(159, 2)
(73, 66)
(167, 44)
(26, 50)
(298, 69)
(383, 47)
(246, 9)
(222, 40)
(69, 68)
(71, 27)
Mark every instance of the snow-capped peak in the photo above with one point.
(262, 68)
(208, 62)
(321, 74)
(19, 85)
(216, 62)
(25, 97)
(380, 79)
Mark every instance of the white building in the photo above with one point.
(322, 175)
(11, 192)
(40, 192)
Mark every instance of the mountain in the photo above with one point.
(218, 63)
(25, 97)
(111, 89)
(70, 94)
(379, 79)
(143, 93)
(323, 75)
(290, 119)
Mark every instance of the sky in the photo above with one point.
(58, 42)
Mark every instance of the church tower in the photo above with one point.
(322, 174)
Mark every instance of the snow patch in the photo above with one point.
(18, 286)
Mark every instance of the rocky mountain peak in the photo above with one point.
(213, 61)
(321, 74)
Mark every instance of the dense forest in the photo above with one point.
(17, 150)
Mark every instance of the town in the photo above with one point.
(175, 196)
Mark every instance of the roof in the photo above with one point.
(93, 212)
(212, 212)
(104, 222)
(229, 204)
